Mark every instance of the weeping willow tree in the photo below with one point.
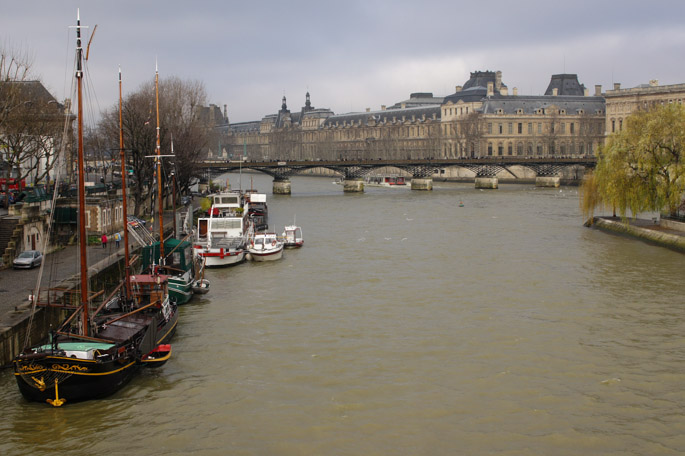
(642, 167)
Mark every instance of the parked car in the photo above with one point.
(135, 221)
(28, 259)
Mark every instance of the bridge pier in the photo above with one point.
(422, 183)
(281, 187)
(547, 181)
(355, 185)
(487, 182)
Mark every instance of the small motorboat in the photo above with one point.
(292, 237)
(158, 356)
(201, 286)
(265, 247)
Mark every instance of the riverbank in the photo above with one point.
(665, 233)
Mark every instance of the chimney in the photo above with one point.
(504, 91)
(653, 82)
(457, 89)
(555, 92)
(617, 86)
(368, 109)
(491, 90)
(516, 91)
(586, 92)
(498, 80)
(598, 90)
(382, 107)
(404, 105)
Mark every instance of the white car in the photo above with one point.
(28, 259)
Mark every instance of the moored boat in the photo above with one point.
(292, 236)
(265, 247)
(94, 353)
(386, 181)
(221, 236)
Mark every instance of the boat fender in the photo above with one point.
(273, 243)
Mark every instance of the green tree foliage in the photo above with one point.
(642, 167)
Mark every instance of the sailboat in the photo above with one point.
(93, 356)
(179, 265)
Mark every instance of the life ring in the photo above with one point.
(273, 243)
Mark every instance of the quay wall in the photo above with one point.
(653, 234)
(14, 325)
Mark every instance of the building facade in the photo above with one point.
(480, 119)
(620, 103)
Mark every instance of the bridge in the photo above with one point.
(547, 169)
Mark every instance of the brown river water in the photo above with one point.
(407, 325)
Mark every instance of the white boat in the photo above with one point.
(222, 235)
(292, 236)
(386, 181)
(265, 247)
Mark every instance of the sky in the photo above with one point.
(350, 55)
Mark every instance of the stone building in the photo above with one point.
(483, 119)
(620, 103)
(480, 119)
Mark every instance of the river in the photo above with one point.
(407, 325)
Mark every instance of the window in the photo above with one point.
(613, 126)
(540, 128)
(539, 149)
(489, 128)
(530, 128)
(489, 148)
(520, 128)
(519, 149)
(500, 149)
(510, 128)
(563, 128)
(572, 127)
(501, 129)
(510, 149)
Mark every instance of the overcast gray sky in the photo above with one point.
(349, 54)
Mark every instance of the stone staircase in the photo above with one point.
(10, 230)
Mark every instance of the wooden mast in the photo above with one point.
(173, 184)
(81, 181)
(122, 158)
(159, 173)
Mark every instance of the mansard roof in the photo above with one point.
(244, 127)
(530, 104)
(469, 95)
(481, 79)
(418, 99)
(30, 92)
(566, 84)
(418, 113)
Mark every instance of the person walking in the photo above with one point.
(117, 238)
(104, 241)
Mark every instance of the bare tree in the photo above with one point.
(179, 102)
(469, 133)
(31, 121)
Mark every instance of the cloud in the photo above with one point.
(354, 54)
